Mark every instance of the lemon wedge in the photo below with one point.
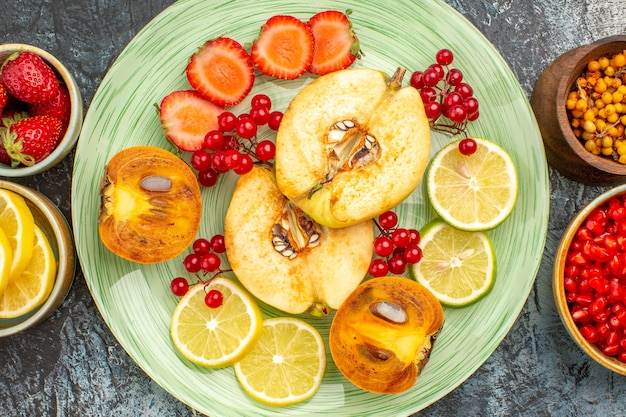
(6, 260)
(216, 337)
(472, 192)
(286, 365)
(458, 267)
(28, 291)
(18, 224)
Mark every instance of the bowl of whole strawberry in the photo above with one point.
(41, 107)
(589, 279)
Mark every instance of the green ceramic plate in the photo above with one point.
(135, 300)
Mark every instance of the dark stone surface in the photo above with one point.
(71, 364)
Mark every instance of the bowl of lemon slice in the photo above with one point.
(37, 258)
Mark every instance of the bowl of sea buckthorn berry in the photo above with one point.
(580, 105)
(589, 279)
(41, 107)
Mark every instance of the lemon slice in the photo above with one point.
(6, 260)
(18, 223)
(28, 291)
(457, 266)
(286, 365)
(472, 192)
(216, 337)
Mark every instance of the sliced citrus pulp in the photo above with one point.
(458, 267)
(286, 365)
(18, 223)
(28, 291)
(216, 337)
(472, 192)
(6, 260)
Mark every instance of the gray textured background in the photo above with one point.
(71, 365)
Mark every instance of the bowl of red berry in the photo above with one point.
(589, 279)
(41, 107)
(580, 105)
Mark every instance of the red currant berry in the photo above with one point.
(245, 165)
(438, 69)
(219, 165)
(412, 253)
(201, 160)
(397, 265)
(430, 77)
(452, 99)
(232, 158)
(226, 121)
(265, 150)
(208, 178)
(457, 114)
(179, 286)
(261, 100)
(192, 263)
(217, 244)
(401, 237)
(214, 298)
(383, 246)
(416, 80)
(464, 89)
(473, 116)
(230, 142)
(214, 140)
(275, 118)
(454, 77)
(444, 57)
(415, 236)
(246, 127)
(467, 146)
(378, 268)
(432, 109)
(209, 262)
(260, 115)
(388, 220)
(201, 246)
(470, 104)
(428, 94)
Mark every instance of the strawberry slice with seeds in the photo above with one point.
(187, 117)
(336, 44)
(284, 47)
(221, 71)
(31, 139)
(29, 78)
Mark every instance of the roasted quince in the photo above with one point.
(150, 205)
(285, 258)
(351, 145)
(382, 335)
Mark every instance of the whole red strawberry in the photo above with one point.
(28, 78)
(4, 98)
(59, 107)
(31, 139)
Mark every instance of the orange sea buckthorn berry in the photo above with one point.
(593, 66)
(604, 62)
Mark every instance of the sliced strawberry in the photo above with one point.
(284, 47)
(336, 44)
(222, 71)
(31, 139)
(187, 117)
(29, 78)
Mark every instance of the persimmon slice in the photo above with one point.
(151, 205)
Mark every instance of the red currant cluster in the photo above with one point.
(394, 247)
(204, 258)
(234, 146)
(446, 95)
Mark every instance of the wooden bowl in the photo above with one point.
(564, 151)
(558, 282)
(55, 226)
(67, 142)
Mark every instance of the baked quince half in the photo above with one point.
(150, 205)
(351, 145)
(286, 259)
(382, 335)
